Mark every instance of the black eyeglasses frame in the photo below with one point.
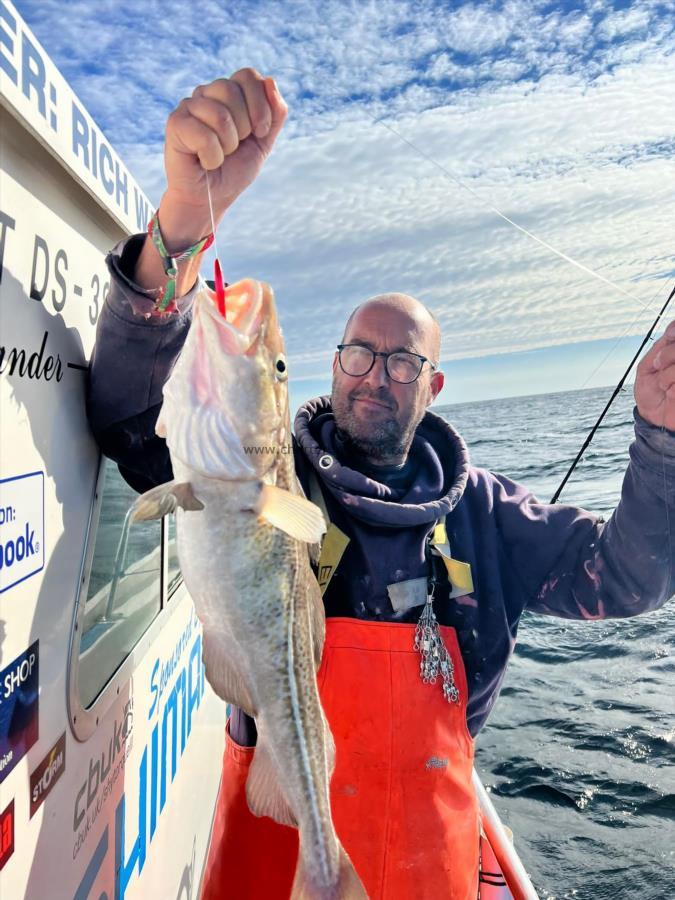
(376, 353)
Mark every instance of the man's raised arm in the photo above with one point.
(227, 127)
(576, 566)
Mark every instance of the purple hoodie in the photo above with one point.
(524, 555)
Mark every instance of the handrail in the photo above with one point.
(120, 559)
(517, 879)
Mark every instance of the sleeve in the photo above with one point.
(132, 358)
(574, 565)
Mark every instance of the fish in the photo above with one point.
(244, 532)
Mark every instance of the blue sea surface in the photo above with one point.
(579, 753)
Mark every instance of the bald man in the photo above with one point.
(428, 563)
(376, 414)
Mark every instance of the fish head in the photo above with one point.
(225, 412)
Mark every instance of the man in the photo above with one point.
(388, 474)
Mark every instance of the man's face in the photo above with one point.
(376, 415)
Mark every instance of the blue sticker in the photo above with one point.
(19, 710)
(22, 528)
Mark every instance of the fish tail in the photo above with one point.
(347, 887)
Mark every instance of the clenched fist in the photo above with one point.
(227, 127)
(655, 382)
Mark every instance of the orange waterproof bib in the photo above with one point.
(401, 793)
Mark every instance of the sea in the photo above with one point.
(579, 752)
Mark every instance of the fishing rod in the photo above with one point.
(617, 391)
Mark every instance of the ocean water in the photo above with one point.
(579, 753)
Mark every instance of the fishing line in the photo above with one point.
(567, 258)
(628, 328)
(219, 284)
(487, 203)
(213, 221)
(510, 221)
(583, 268)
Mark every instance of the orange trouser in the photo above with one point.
(401, 794)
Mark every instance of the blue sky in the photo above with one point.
(559, 115)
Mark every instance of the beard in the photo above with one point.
(380, 439)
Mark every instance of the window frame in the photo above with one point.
(84, 720)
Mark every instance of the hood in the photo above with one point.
(440, 458)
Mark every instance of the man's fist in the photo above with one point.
(655, 382)
(227, 127)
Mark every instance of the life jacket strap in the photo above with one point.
(335, 541)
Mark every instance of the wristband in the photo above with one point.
(166, 302)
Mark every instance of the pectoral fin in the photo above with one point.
(223, 677)
(291, 513)
(163, 499)
(263, 791)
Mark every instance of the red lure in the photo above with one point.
(220, 287)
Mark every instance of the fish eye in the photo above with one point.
(280, 368)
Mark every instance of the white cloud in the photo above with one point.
(475, 29)
(562, 120)
(620, 23)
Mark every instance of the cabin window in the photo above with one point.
(124, 589)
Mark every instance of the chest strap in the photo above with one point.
(334, 542)
(459, 573)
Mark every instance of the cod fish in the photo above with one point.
(244, 529)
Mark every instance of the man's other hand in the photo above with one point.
(655, 382)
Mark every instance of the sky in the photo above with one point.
(415, 130)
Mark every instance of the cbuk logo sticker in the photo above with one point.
(103, 773)
(22, 528)
(19, 708)
(43, 779)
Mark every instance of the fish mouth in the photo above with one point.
(228, 381)
(239, 331)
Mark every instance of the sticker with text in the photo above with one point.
(22, 528)
(43, 779)
(19, 709)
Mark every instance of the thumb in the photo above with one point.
(279, 109)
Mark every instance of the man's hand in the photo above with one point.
(655, 382)
(227, 127)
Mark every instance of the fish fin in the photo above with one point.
(160, 426)
(223, 678)
(291, 513)
(348, 887)
(263, 791)
(163, 499)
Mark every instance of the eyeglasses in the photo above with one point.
(401, 366)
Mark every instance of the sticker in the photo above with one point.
(6, 834)
(19, 719)
(22, 528)
(405, 595)
(43, 779)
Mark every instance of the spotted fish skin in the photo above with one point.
(243, 536)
